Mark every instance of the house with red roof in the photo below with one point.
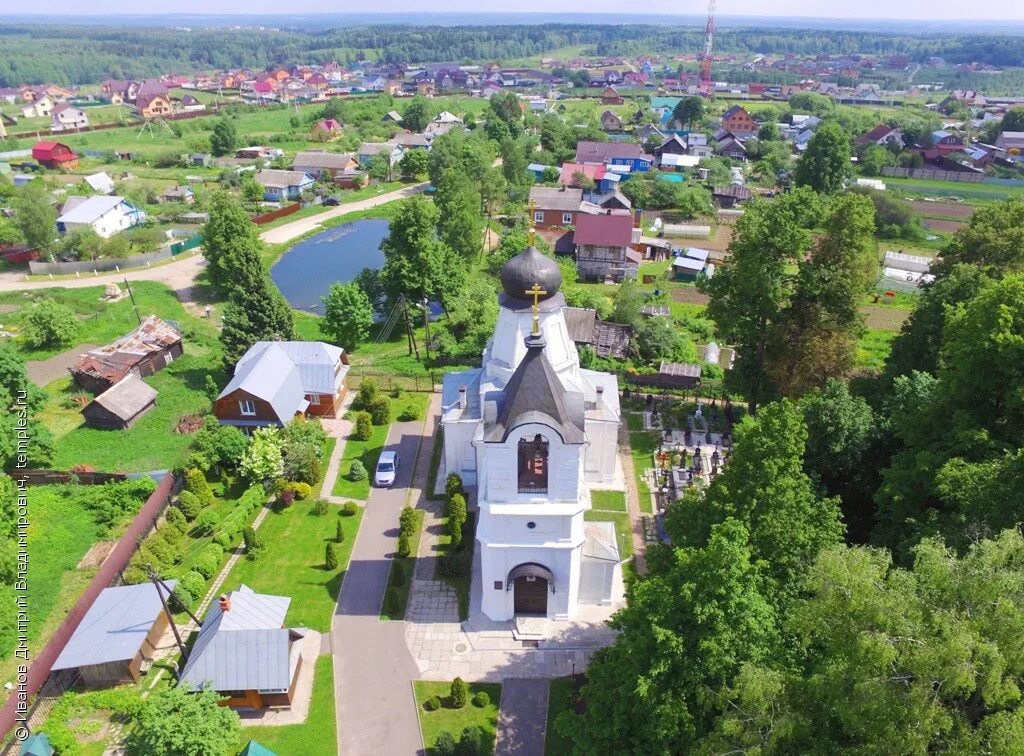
(882, 135)
(54, 155)
(603, 247)
(326, 128)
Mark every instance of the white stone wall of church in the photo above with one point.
(507, 348)
(498, 467)
(459, 453)
(497, 562)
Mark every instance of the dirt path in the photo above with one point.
(43, 372)
(632, 502)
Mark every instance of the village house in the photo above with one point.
(602, 244)
(118, 637)
(731, 147)
(151, 347)
(588, 176)
(1011, 141)
(610, 121)
(276, 380)
(153, 105)
(628, 154)
(391, 149)
(410, 141)
(54, 155)
(728, 197)
(738, 121)
(178, 194)
(587, 329)
(68, 118)
(320, 164)
(555, 207)
(882, 135)
(121, 405)
(610, 96)
(279, 186)
(946, 143)
(104, 214)
(673, 145)
(41, 108)
(326, 129)
(245, 653)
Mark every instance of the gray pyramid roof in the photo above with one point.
(534, 394)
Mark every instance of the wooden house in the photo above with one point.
(148, 349)
(121, 405)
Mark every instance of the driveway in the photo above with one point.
(373, 668)
(181, 274)
(523, 717)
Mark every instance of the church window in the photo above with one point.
(531, 525)
(533, 465)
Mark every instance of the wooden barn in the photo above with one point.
(121, 405)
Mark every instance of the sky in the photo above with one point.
(862, 9)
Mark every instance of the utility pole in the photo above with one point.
(134, 303)
(426, 327)
(157, 583)
(408, 330)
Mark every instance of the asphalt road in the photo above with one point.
(373, 668)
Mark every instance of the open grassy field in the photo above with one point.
(446, 719)
(293, 562)
(317, 734)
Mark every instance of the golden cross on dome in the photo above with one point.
(532, 233)
(536, 292)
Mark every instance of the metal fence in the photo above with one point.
(110, 572)
(95, 267)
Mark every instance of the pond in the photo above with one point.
(305, 272)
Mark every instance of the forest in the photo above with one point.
(74, 55)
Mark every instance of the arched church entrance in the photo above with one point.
(530, 584)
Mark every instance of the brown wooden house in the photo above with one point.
(276, 381)
(555, 207)
(121, 405)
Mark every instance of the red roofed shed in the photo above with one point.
(54, 155)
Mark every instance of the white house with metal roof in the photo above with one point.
(533, 431)
(106, 215)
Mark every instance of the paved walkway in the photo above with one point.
(181, 274)
(373, 668)
(338, 428)
(523, 717)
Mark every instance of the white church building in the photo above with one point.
(533, 431)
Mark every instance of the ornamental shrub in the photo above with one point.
(455, 563)
(456, 512)
(459, 693)
(453, 485)
(408, 415)
(225, 540)
(207, 522)
(196, 482)
(181, 599)
(404, 548)
(357, 471)
(301, 463)
(175, 518)
(445, 744)
(303, 490)
(339, 534)
(286, 498)
(407, 521)
(363, 430)
(254, 545)
(349, 509)
(193, 582)
(481, 699)
(380, 411)
(206, 566)
(320, 507)
(470, 742)
(367, 393)
(331, 557)
(189, 505)
(213, 551)
(433, 704)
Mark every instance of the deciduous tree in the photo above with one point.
(825, 165)
(348, 315)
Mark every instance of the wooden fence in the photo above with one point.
(260, 220)
(49, 477)
(17, 711)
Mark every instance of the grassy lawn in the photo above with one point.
(611, 501)
(559, 700)
(150, 444)
(368, 451)
(642, 445)
(293, 563)
(317, 734)
(60, 532)
(873, 348)
(396, 610)
(623, 530)
(433, 723)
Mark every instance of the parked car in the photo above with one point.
(331, 201)
(387, 469)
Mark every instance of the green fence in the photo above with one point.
(184, 246)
